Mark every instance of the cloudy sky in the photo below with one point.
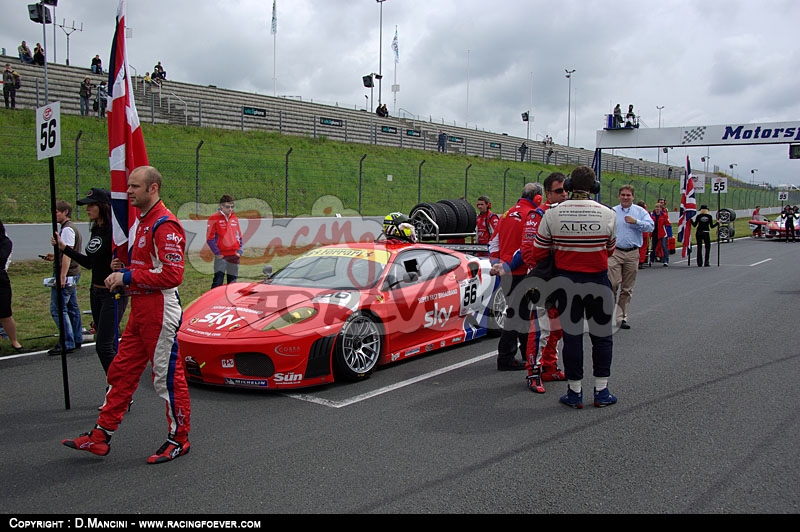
(476, 62)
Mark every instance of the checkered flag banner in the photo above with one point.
(692, 135)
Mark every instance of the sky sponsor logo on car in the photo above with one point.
(222, 320)
(438, 316)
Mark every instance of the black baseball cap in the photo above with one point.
(96, 195)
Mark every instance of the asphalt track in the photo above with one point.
(707, 423)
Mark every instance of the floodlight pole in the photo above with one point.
(72, 30)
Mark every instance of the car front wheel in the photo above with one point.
(358, 348)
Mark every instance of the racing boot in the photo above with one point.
(98, 441)
(553, 374)
(169, 451)
(535, 380)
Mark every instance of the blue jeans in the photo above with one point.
(665, 249)
(85, 107)
(73, 328)
(225, 266)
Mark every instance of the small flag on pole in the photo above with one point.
(395, 47)
(274, 17)
(688, 209)
(126, 148)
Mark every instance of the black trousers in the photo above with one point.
(106, 322)
(517, 323)
(703, 240)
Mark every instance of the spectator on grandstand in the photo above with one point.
(159, 74)
(38, 55)
(97, 65)
(442, 146)
(25, 55)
(523, 149)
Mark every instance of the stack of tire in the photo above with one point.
(451, 216)
(726, 217)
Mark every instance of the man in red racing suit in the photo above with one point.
(544, 366)
(510, 232)
(157, 250)
(485, 223)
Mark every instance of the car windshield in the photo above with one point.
(332, 268)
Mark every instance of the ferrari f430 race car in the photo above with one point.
(338, 312)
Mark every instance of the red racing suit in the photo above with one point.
(224, 235)
(548, 360)
(157, 251)
(486, 227)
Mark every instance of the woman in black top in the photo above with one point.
(6, 318)
(107, 310)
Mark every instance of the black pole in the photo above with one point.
(419, 182)
(59, 289)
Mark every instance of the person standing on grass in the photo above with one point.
(107, 310)
(224, 238)
(70, 275)
(6, 316)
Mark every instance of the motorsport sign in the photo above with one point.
(48, 131)
(725, 135)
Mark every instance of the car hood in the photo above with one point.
(239, 308)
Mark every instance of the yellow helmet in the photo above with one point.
(396, 225)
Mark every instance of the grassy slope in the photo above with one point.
(318, 167)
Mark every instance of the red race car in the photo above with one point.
(336, 313)
(774, 229)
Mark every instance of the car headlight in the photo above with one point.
(290, 317)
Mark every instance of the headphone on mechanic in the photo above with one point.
(595, 188)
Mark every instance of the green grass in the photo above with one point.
(202, 164)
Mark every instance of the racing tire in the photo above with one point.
(453, 215)
(440, 214)
(358, 348)
(462, 216)
(726, 216)
(725, 232)
(496, 313)
(471, 216)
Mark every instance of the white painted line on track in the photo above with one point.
(386, 389)
(761, 262)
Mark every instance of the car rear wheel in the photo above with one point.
(358, 348)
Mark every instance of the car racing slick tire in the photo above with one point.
(461, 211)
(726, 216)
(358, 348)
(440, 214)
(471, 215)
(726, 232)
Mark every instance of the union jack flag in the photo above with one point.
(126, 148)
(688, 209)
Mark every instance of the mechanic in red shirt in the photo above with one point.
(511, 230)
(544, 366)
(582, 233)
(486, 223)
(152, 279)
(224, 238)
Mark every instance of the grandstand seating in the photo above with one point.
(176, 102)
